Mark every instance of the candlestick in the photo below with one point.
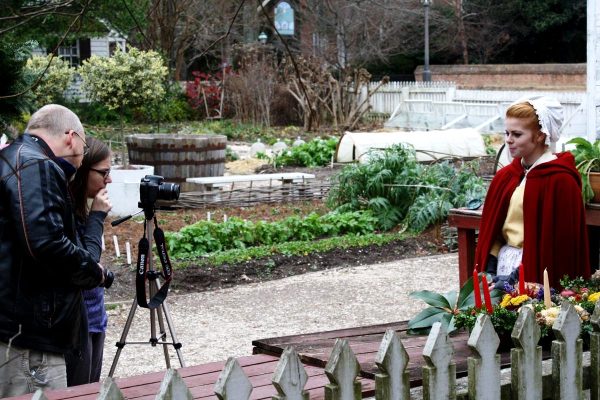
(521, 279)
(486, 295)
(476, 292)
(547, 300)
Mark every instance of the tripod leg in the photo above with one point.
(176, 344)
(161, 314)
(163, 336)
(121, 343)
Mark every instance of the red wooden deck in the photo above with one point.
(314, 349)
(201, 380)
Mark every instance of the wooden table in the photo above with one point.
(211, 182)
(467, 222)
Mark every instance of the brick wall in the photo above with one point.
(510, 76)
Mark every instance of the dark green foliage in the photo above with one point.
(397, 189)
(173, 107)
(314, 153)
(205, 237)
(13, 56)
(96, 113)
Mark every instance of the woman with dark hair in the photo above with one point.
(91, 204)
(534, 216)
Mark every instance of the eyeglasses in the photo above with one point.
(104, 172)
(86, 148)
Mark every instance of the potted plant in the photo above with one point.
(587, 160)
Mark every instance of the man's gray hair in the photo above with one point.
(55, 120)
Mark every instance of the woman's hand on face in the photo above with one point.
(101, 202)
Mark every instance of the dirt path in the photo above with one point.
(217, 324)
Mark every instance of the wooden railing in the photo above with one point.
(527, 381)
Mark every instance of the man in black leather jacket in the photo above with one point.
(42, 268)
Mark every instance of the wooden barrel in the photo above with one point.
(177, 157)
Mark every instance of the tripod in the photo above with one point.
(157, 314)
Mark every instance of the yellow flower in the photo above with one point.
(505, 300)
(516, 301)
(594, 297)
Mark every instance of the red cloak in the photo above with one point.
(555, 232)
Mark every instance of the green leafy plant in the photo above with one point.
(587, 159)
(315, 153)
(445, 308)
(205, 237)
(397, 189)
(294, 248)
(442, 308)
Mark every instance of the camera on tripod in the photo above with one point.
(153, 188)
(155, 194)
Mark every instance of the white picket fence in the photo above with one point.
(484, 381)
(440, 105)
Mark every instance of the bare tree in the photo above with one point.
(356, 32)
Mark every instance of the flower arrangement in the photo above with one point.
(580, 292)
(461, 310)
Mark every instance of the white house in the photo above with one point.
(77, 51)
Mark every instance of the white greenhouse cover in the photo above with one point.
(430, 145)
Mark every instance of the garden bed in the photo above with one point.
(189, 277)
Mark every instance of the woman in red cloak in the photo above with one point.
(534, 213)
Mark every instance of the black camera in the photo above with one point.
(153, 188)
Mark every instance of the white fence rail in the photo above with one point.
(565, 381)
(439, 105)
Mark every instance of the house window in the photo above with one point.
(114, 45)
(70, 53)
(284, 18)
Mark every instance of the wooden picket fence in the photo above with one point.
(439, 374)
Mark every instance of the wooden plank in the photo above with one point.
(284, 176)
(282, 341)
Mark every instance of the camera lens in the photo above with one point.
(168, 191)
(109, 277)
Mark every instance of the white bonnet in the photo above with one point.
(550, 113)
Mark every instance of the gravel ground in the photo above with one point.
(215, 325)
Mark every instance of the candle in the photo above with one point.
(476, 292)
(547, 300)
(486, 295)
(521, 279)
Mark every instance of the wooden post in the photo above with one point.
(173, 387)
(342, 370)
(290, 377)
(393, 381)
(595, 354)
(233, 384)
(484, 366)
(110, 391)
(567, 359)
(526, 358)
(439, 373)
